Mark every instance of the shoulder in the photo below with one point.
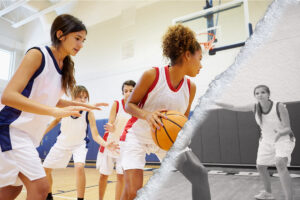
(150, 73)
(281, 106)
(192, 85)
(34, 52)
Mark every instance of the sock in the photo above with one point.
(49, 197)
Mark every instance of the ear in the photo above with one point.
(187, 55)
(59, 35)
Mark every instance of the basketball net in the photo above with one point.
(208, 45)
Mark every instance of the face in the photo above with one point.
(82, 97)
(194, 63)
(73, 42)
(127, 90)
(261, 94)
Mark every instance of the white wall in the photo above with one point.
(11, 39)
(99, 66)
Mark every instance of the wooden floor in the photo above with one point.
(224, 186)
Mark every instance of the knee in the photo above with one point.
(10, 192)
(201, 172)
(120, 177)
(131, 192)
(281, 164)
(43, 189)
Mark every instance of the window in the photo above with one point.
(5, 64)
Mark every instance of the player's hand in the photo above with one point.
(112, 146)
(109, 127)
(68, 111)
(153, 119)
(97, 105)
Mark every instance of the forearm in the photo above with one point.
(97, 138)
(20, 102)
(135, 111)
(51, 126)
(226, 106)
(64, 103)
(284, 131)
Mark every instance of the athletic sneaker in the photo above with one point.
(264, 195)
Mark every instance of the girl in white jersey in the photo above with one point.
(165, 88)
(106, 159)
(277, 140)
(31, 97)
(73, 139)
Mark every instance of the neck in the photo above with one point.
(59, 55)
(265, 104)
(176, 73)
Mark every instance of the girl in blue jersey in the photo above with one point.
(73, 140)
(277, 139)
(31, 97)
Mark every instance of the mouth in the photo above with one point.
(76, 50)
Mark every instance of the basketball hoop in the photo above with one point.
(208, 45)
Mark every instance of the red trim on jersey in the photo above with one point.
(169, 81)
(123, 104)
(101, 148)
(128, 126)
(117, 110)
(189, 85)
(142, 102)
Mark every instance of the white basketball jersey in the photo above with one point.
(270, 122)
(74, 131)
(122, 118)
(17, 127)
(161, 95)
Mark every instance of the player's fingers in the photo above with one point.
(101, 104)
(162, 115)
(158, 120)
(79, 108)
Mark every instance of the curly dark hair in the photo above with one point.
(177, 40)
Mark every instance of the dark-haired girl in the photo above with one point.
(277, 141)
(31, 97)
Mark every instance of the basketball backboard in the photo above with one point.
(229, 21)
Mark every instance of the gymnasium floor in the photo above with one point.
(225, 184)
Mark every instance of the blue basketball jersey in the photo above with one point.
(18, 128)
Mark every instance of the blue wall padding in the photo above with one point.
(49, 140)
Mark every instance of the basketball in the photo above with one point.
(167, 134)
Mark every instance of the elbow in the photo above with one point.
(4, 99)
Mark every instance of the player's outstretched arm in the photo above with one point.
(52, 125)
(12, 95)
(246, 108)
(112, 118)
(64, 103)
(96, 136)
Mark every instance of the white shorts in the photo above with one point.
(59, 157)
(133, 153)
(267, 152)
(23, 160)
(106, 163)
